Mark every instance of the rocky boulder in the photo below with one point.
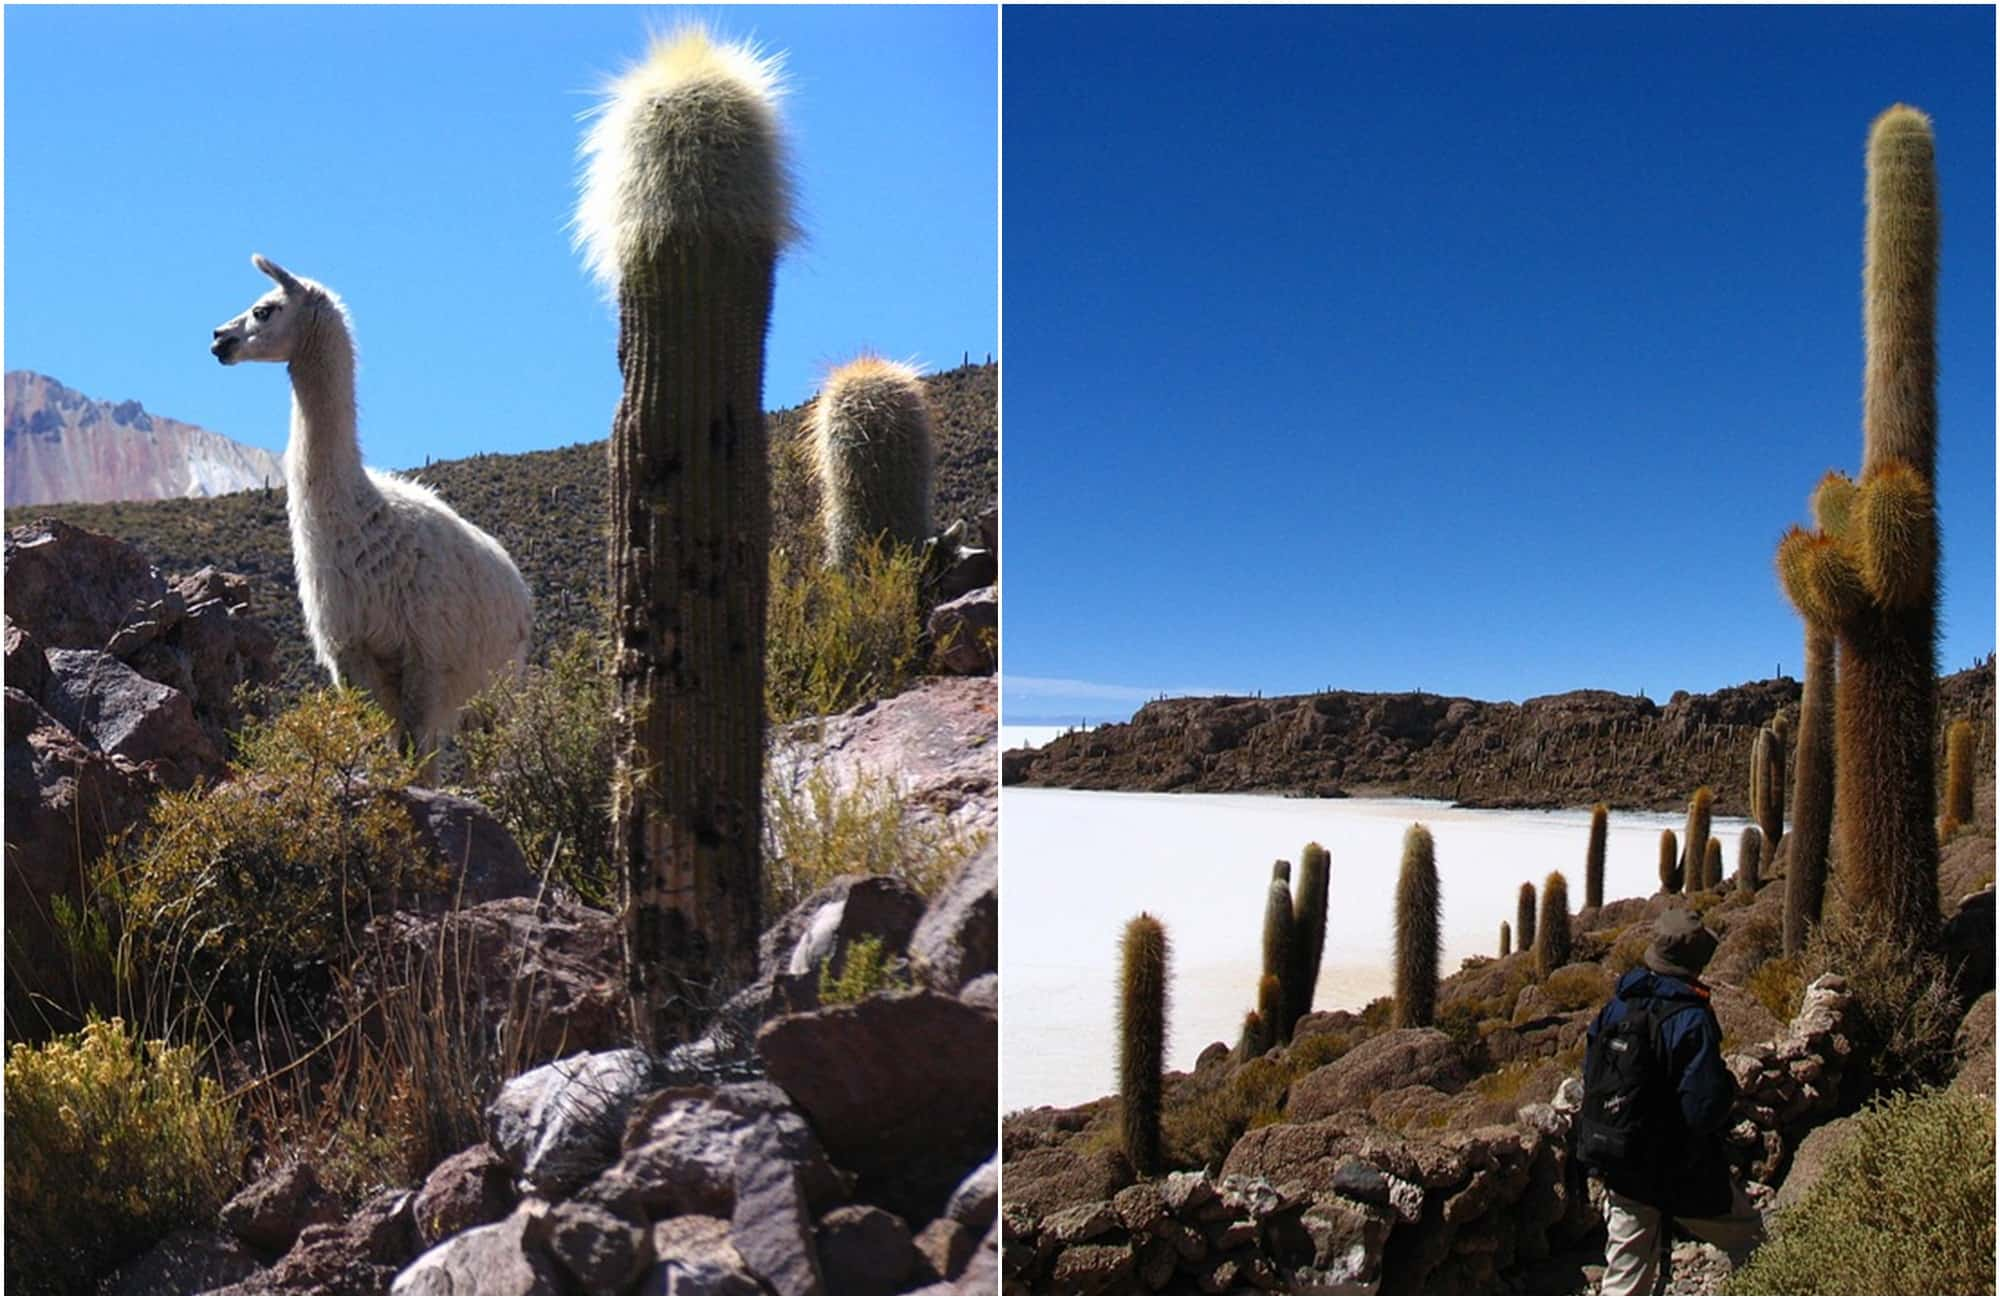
(1397, 1059)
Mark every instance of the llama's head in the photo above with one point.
(275, 326)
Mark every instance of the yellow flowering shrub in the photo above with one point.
(111, 1144)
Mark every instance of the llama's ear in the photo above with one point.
(285, 279)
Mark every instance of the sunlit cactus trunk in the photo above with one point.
(1142, 1039)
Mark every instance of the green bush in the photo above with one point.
(867, 970)
(538, 752)
(817, 828)
(1904, 1207)
(836, 638)
(111, 1144)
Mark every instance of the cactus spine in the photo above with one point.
(1812, 767)
(1749, 857)
(871, 440)
(1871, 574)
(1506, 939)
(1593, 857)
(1670, 864)
(1308, 932)
(1417, 913)
(1552, 944)
(1957, 776)
(683, 211)
(1277, 950)
(1524, 917)
(1142, 1039)
(1694, 843)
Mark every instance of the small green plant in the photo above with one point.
(1905, 1207)
(817, 828)
(111, 1144)
(867, 970)
(538, 752)
(1418, 905)
(836, 638)
(1142, 1040)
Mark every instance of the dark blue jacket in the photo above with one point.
(1691, 1042)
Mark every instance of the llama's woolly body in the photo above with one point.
(403, 598)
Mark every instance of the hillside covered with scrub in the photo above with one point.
(547, 507)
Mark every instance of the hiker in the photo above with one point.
(1656, 1100)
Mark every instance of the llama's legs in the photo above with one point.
(417, 721)
(371, 676)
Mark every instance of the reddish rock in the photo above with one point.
(865, 1251)
(115, 710)
(966, 633)
(1396, 1059)
(187, 1262)
(1041, 1182)
(693, 1255)
(497, 1259)
(72, 588)
(270, 1213)
(941, 738)
(943, 1248)
(684, 1150)
(467, 1190)
(603, 1251)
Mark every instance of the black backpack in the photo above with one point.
(1629, 1108)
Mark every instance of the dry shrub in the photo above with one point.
(1904, 1014)
(836, 638)
(816, 828)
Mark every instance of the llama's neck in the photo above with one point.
(323, 460)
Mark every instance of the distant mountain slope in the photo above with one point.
(546, 507)
(64, 446)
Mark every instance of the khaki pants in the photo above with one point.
(1632, 1240)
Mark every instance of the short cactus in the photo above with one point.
(871, 440)
(1418, 905)
(1749, 859)
(1694, 842)
(1142, 1039)
(1670, 864)
(1308, 931)
(1957, 775)
(1593, 857)
(1552, 938)
(1711, 864)
(1253, 1042)
(1277, 949)
(1506, 939)
(1767, 782)
(1524, 916)
(1270, 1000)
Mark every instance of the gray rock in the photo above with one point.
(119, 712)
(693, 1255)
(966, 633)
(603, 1251)
(558, 1125)
(359, 1256)
(958, 939)
(772, 1226)
(977, 1199)
(484, 862)
(270, 1213)
(472, 1188)
(865, 1251)
(943, 1248)
(72, 588)
(1397, 1059)
(187, 1262)
(684, 1148)
(495, 1259)
(983, 993)
(1975, 1048)
(27, 665)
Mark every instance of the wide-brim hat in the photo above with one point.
(1681, 944)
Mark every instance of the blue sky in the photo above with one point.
(421, 162)
(1479, 351)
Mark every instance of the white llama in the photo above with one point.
(403, 599)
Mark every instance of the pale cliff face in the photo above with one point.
(64, 446)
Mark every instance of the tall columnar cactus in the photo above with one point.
(1270, 1006)
(1957, 776)
(1552, 940)
(1749, 859)
(1418, 906)
(1812, 767)
(1767, 783)
(1593, 857)
(1670, 864)
(1524, 916)
(1278, 947)
(1308, 932)
(1142, 1039)
(1694, 842)
(685, 206)
(871, 440)
(1872, 575)
(1506, 939)
(1711, 864)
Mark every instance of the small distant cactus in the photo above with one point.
(1552, 940)
(1253, 1042)
(1277, 949)
(1524, 916)
(1749, 858)
(1142, 1039)
(1670, 864)
(1506, 939)
(1711, 864)
(1418, 905)
(1308, 931)
(1957, 776)
(1767, 782)
(871, 439)
(1695, 842)
(1593, 857)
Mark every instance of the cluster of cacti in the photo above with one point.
(1418, 907)
(1506, 939)
(1749, 859)
(1278, 947)
(1142, 1039)
(1670, 864)
(1593, 857)
(1767, 782)
(1812, 765)
(1694, 843)
(871, 440)
(1524, 916)
(1711, 864)
(1308, 933)
(1957, 778)
(1869, 572)
(684, 209)
(1552, 939)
